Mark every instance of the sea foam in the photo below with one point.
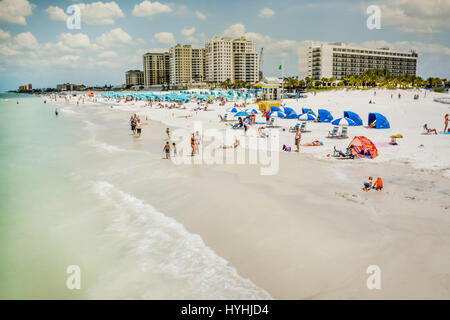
(166, 257)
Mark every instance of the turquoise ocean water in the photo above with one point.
(72, 193)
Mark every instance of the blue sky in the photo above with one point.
(37, 47)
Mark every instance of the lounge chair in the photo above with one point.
(344, 132)
(334, 133)
(294, 128)
(303, 127)
(271, 123)
(341, 155)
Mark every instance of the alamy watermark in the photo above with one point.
(374, 280)
(374, 19)
(213, 146)
(74, 279)
(74, 19)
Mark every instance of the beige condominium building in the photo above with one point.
(186, 64)
(134, 78)
(156, 69)
(230, 60)
(339, 60)
(245, 60)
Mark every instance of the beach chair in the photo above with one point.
(344, 132)
(334, 133)
(271, 123)
(294, 128)
(303, 127)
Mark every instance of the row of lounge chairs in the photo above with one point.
(335, 132)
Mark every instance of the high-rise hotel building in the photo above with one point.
(245, 60)
(186, 64)
(339, 60)
(156, 69)
(230, 60)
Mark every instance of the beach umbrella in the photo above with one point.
(343, 122)
(288, 110)
(241, 114)
(277, 114)
(232, 110)
(253, 110)
(306, 116)
(292, 115)
(274, 108)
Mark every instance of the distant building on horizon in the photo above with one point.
(26, 87)
(339, 60)
(134, 78)
(156, 69)
(70, 87)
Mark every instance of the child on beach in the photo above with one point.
(168, 132)
(446, 122)
(368, 184)
(166, 149)
(378, 185)
(174, 147)
(287, 149)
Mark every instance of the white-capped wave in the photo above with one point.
(162, 260)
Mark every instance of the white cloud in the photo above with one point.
(7, 50)
(69, 61)
(78, 40)
(115, 37)
(107, 54)
(235, 30)
(100, 13)
(188, 31)
(200, 15)
(108, 64)
(26, 40)
(165, 37)
(4, 35)
(56, 13)
(416, 15)
(266, 13)
(15, 11)
(149, 9)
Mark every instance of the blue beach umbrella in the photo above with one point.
(253, 110)
(273, 108)
(343, 122)
(277, 114)
(241, 114)
(292, 115)
(307, 117)
(288, 110)
(232, 110)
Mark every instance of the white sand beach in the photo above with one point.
(308, 231)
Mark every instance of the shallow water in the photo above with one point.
(68, 198)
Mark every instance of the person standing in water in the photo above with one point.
(56, 112)
(139, 127)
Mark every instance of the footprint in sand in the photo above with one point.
(349, 197)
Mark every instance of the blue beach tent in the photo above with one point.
(307, 110)
(355, 117)
(325, 115)
(381, 121)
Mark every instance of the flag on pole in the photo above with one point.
(280, 67)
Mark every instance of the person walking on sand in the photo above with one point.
(166, 149)
(446, 122)
(168, 133)
(193, 145)
(298, 137)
